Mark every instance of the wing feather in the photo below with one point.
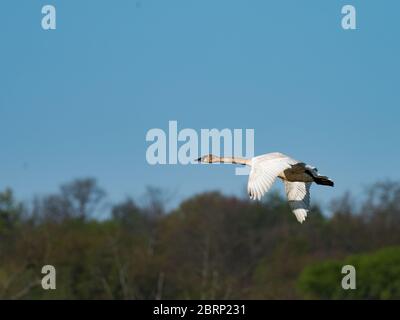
(263, 174)
(298, 194)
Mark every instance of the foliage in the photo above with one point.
(378, 277)
(211, 246)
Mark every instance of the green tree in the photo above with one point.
(10, 211)
(377, 277)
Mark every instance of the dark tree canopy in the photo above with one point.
(211, 246)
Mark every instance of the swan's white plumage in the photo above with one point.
(263, 173)
(297, 177)
(298, 194)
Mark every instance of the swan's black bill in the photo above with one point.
(198, 160)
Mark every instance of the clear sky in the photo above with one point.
(77, 101)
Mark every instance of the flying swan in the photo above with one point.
(296, 176)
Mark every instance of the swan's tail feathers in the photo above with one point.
(322, 180)
(318, 179)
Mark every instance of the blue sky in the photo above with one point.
(78, 101)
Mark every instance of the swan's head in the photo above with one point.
(209, 158)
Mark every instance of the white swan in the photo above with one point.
(297, 177)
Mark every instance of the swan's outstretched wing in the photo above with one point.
(263, 174)
(298, 194)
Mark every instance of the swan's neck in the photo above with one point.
(233, 160)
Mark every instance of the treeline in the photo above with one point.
(211, 247)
